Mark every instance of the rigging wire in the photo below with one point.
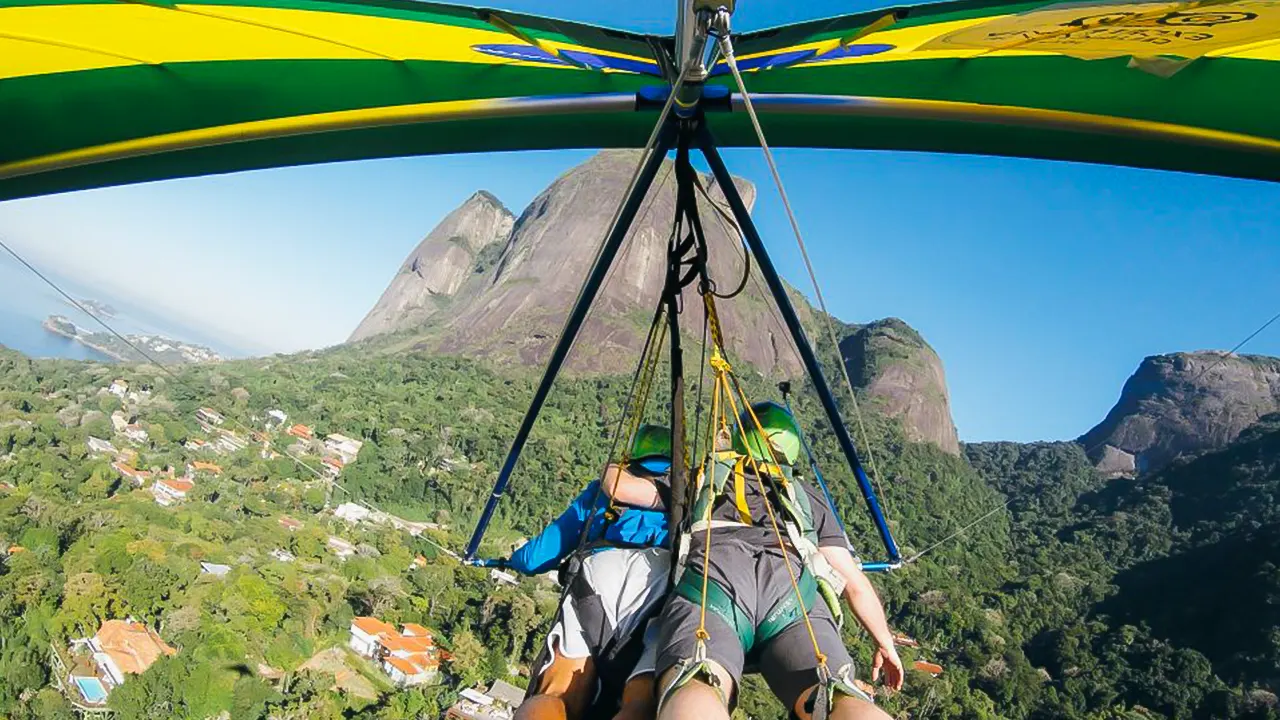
(731, 60)
(955, 534)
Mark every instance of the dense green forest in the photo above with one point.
(1146, 598)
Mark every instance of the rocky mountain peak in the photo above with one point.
(1182, 404)
(898, 369)
(439, 265)
(509, 282)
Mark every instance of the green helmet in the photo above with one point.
(780, 428)
(651, 447)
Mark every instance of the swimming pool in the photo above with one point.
(92, 689)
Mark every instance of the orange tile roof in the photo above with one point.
(179, 484)
(130, 470)
(133, 646)
(286, 521)
(931, 668)
(334, 462)
(416, 630)
(400, 643)
(404, 666)
(215, 469)
(373, 626)
(300, 431)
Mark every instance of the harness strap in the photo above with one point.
(787, 611)
(823, 699)
(719, 602)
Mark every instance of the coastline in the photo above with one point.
(53, 328)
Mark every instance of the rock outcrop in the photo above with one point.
(508, 285)
(893, 364)
(439, 266)
(1182, 404)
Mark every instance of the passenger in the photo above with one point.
(615, 586)
(753, 616)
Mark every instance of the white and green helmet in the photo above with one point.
(781, 432)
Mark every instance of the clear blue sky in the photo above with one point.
(1041, 285)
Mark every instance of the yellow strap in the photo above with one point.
(740, 493)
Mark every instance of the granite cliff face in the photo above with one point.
(896, 367)
(508, 283)
(1182, 404)
(439, 266)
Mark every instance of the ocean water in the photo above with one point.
(25, 301)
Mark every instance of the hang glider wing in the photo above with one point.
(1173, 85)
(105, 92)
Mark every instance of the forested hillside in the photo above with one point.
(1051, 609)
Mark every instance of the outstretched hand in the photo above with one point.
(886, 660)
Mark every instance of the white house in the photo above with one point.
(168, 491)
(101, 447)
(129, 472)
(230, 442)
(210, 416)
(366, 633)
(135, 433)
(283, 555)
(351, 512)
(276, 418)
(118, 421)
(343, 446)
(119, 388)
(409, 657)
(502, 576)
(214, 569)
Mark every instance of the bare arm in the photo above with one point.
(866, 606)
(630, 489)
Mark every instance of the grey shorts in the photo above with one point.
(757, 579)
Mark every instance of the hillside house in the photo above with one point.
(289, 523)
(119, 388)
(276, 418)
(332, 466)
(196, 444)
(503, 577)
(203, 467)
(302, 432)
(409, 656)
(128, 472)
(498, 703)
(170, 491)
(135, 434)
(283, 555)
(209, 416)
(344, 447)
(228, 441)
(118, 421)
(100, 447)
(352, 512)
(340, 547)
(925, 666)
(214, 569)
(125, 647)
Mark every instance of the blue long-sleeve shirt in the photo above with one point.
(634, 527)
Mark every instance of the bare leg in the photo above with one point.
(639, 699)
(697, 699)
(565, 689)
(846, 708)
